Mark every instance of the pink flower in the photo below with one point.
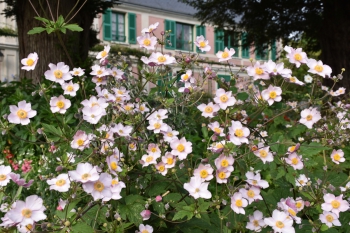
(181, 148)
(147, 42)
(334, 204)
(103, 54)
(159, 198)
(295, 161)
(258, 71)
(146, 214)
(226, 54)
(238, 203)
(197, 188)
(61, 183)
(58, 73)
(5, 172)
(296, 56)
(317, 67)
(21, 182)
(337, 156)
(21, 114)
(59, 104)
(272, 94)
(202, 44)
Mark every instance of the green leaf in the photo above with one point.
(82, 227)
(59, 21)
(205, 132)
(73, 27)
(51, 129)
(242, 96)
(63, 30)
(42, 19)
(312, 149)
(203, 205)
(49, 30)
(130, 199)
(183, 213)
(36, 30)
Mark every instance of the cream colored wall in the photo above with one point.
(9, 68)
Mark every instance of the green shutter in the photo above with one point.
(273, 50)
(170, 25)
(261, 53)
(132, 28)
(219, 41)
(235, 44)
(245, 49)
(200, 31)
(107, 29)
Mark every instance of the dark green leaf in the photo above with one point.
(36, 30)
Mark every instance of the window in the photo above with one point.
(180, 37)
(245, 49)
(223, 77)
(261, 52)
(227, 39)
(114, 27)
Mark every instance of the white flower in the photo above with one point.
(309, 117)
(293, 79)
(208, 110)
(337, 156)
(280, 222)
(157, 126)
(70, 88)
(238, 203)
(302, 180)
(329, 219)
(161, 59)
(77, 72)
(295, 161)
(59, 104)
(21, 114)
(85, 172)
(238, 133)
(169, 160)
(58, 73)
(145, 229)
(226, 54)
(308, 78)
(272, 94)
(103, 54)
(149, 159)
(205, 172)
(146, 41)
(181, 148)
(4, 175)
(151, 28)
(317, 67)
(101, 188)
(29, 63)
(296, 56)
(251, 194)
(334, 204)
(263, 153)
(99, 71)
(255, 179)
(256, 221)
(197, 188)
(61, 183)
(224, 99)
(202, 44)
(258, 71)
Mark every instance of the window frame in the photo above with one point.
(220, 39)
(172, 26)
(116, 13)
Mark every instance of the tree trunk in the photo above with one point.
(334, 38)
(47, 46)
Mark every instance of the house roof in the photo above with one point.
(171, 6)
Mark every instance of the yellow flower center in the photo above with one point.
(239, 133)
(224, 163)
(30, 62)
(180, 148)
(335, 204)
(161, 168)
(336, 157)
(22, 114)
(291, 149)
(147, 42)
(202, 44)
(157, 125)
(224, 98)
(61, 182)
(170, 134)
(169, 161)
(161, 59)
(309, 117)
(99, 79)
(255, 182)
(256, 223)
(142, 108)
(114, 165)
(298, 204)
(128, 108)
(263, 153)
(298, 57)
(222, 175)
(292, 212)
(292, 79)
(203, 173)
(2, 177)
(80, 142)
(85, 176)
(301, 181)
(329, 218)
(219, 145)
(103, 53)
(131, 145)
(295, 161)
(185, 77)
(272, 94)
(27, 213)
(250, 193)
(154, 150)
(224, 55)
(259, 71)
(239, 203)
(149, 159)
(60, 104)
(208, 109)
(318, 68)
(197, 190)
(217, 130)
(99, 186)
(279, 224)
(144, 231)
(76, 72)
(99, 72)
(70, 88)
(114, 182)
(58, 74)
(29, 227)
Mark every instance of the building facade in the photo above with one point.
(123, 23)
(9, 67)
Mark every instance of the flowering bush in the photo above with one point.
(93, 151)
